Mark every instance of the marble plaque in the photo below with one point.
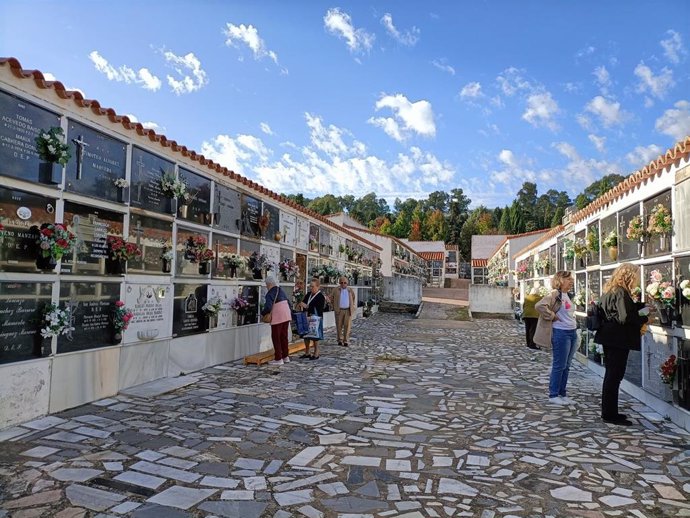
(251, 294)
(145, 187)
(302, 237)
(152, 308)
(287, 253)
(225, 247)
(154, 238)
(249, 218)
(288, 228)
(199, 208)
(273, 255)
(227, 211)
(273, 215)
(21, 314)
(97, 161)
(185, 262)
(188, 317)
(21, 123)
(226, 295)
(333, 250)
(324, 242)
(91, 226)
(314, 230)
(92, 305)
(21, 214)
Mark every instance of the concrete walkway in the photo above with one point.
(417, 418)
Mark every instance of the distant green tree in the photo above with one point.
(367, 208)
(327, 204)
(597, 188)
(435, 226)
(504, 224)
(299, 199)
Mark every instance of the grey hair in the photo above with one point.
(271, 280)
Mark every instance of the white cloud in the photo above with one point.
(675, 121)
(657, 86)
(408, 117)
(442, 64)
(148, 124)
(471, 91)
(236, 153)
(183, 65)
(408, 38)
(511, 81)
(339, 23)
(266, 128)
(48, 76)
(510, 171)
(585, 51)
(579, 172)
(673, 46)
(599, 142)
(249, 35)
(608, 112)
(641, 155)
(541, 110)
(603, 79)
(125, 74)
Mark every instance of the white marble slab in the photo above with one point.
(25, 391)
(143, 362)
(152, 307)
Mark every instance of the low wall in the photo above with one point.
(403, 290)
(490, 299)
(34, 388)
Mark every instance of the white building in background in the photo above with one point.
(483, 247)
(443, 260)
(502, 261)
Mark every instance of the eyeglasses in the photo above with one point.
(342, 282)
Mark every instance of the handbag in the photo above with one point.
(315, 331)
(301, 323)
(266, 319)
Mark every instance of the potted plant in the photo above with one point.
(51, 148)
(175, 189)
(568, 250)
(667, 371)
(660, 223)
(233, 263)
(611, 243)
(204, 258)
(355, 272)
(593, 241)
(211, 309)
(54, 241)
(167, 256)
(664, 295)
(239, 305)
(580, 250)
(259, 265)
(288, 268)
(121, 319)
(119, 252)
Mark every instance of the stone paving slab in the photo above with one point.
(412, 420)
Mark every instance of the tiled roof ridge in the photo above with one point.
(654, 167)
(432, 256)
(525, 234)
(555, 230)
(78, 99)
(370, 231)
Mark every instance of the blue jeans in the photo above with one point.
(564, 347)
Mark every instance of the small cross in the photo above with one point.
(141, 164)
(81, 144)
(139, 231)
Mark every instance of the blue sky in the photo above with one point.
(400, 98)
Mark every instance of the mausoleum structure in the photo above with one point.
(644, 220)
(151, 257)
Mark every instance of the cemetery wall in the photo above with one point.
(585, 246)
(112, 187)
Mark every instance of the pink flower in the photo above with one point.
(669, 293)
(656, 276)
(119, 303)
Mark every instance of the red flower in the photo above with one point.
(119, 303)
(62, 243)
(46, 232)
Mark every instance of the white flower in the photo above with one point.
(684, 284)
(686, 293)
(653, 289)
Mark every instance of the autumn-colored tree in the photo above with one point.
(379, 222)
(415, 230)
(435, 226)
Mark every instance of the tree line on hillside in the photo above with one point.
(446, 216)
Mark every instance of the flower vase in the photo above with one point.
(46, 264)
(48, 173)
(212, 321)
(115, 266)
(665, 314)
(204, 268)
(640, 246)
(123, 194)
(39, 342)
(233, 271)
(355, 279)
(662, 241)
(183, 208)
(172, 205)
(285, 277)
(240, 318)
(613, 253)
(167, 266)
(257, 273)
(117, 337)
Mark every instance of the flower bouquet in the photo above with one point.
(660, 221)
(56, 321)
(54, 241)
(51, 148)
(264, 221)
(288, 268)
(212, 306)
(121, 183)
(568, 250)
(580, 248)
(667, 371)
(596, 349)
(121, 250)
(194, 247)
(611, 240)
(636, 230)
(685, 289)
(580, 298)
(233, 262)
(664, 295)
(543, 291)
(121, 319)
(174, 188)
(239, 305)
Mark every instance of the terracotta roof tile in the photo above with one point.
(59, 89)
(432, 256)
(480, 263)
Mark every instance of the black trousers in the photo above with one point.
(530, 328)
(616, 360)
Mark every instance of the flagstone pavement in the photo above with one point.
(415, 419)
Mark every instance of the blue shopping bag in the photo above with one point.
(301, 323)
(315, 331)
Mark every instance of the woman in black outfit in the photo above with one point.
(314, 302)
(619, 333)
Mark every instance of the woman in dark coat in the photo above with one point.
(619, 333)
(314, 303)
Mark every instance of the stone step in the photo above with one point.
(397, 307)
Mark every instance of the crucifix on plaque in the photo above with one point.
(81, 144)
(141, 164)
(139, 231)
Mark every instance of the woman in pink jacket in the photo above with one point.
(277, 304)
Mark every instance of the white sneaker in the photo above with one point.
(567, 401)
(275, 362)
(557, 401)
(286, 359)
